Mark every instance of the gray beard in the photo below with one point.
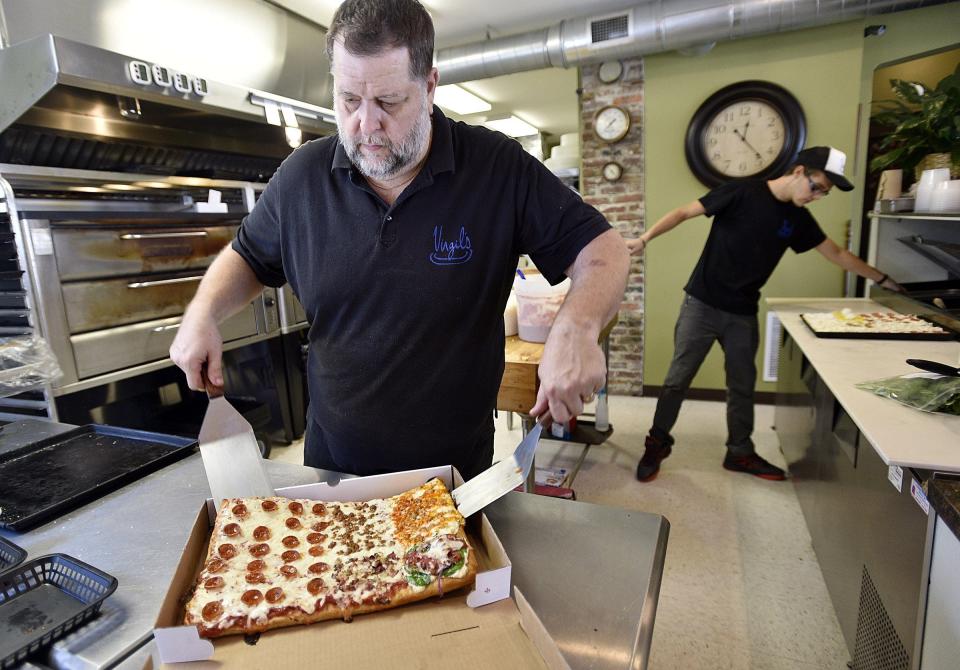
(400, 155)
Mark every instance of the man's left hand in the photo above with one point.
(572, 371)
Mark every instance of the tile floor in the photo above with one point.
(741, 588)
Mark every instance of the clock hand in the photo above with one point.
(744, 140)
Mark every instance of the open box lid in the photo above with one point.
(488, 630)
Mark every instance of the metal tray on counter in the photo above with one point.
(880, 335)
(56, 473)
(45, 599)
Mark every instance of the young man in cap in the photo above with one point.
(755, 222)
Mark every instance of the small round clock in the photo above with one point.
(611, 124)
(612, 171)
(609, 71)
(751, 129)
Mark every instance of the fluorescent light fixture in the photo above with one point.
(153, 184)
(121, 187)
(459, 100)
(294, 136)
(87, 189)
(512, 126)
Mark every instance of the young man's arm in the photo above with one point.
(833, 253)
(669, 221)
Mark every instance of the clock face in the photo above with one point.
(611, 124)
(612, 171)
(609, 71)
(744, 138)
(751, 129)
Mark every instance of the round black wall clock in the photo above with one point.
(745, 130)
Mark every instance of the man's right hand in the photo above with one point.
(198, 343)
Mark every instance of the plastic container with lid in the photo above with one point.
(537, 305)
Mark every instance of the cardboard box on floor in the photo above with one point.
(478, 627)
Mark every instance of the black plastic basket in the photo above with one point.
(10, 555)
(43, 600)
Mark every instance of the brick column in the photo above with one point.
(621, 202)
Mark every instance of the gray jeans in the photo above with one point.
(698, 326)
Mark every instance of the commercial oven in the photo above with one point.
(117, 191)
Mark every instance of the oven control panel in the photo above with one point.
(162, 77)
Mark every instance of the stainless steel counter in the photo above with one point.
(592, 573)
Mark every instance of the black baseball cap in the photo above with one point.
(828, 160)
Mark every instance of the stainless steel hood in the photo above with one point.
(72, 105)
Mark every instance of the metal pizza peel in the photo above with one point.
(228, 446)
(500, 478)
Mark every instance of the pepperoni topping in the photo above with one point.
(261, 549)
(321, 526)
(319, 509)
(240, 510)
(255, 578)
(213, 583)
(261, 533)
(256, 566)
(316, 538)
(251, 597)
(212, 610)
(314, 586)
(315, 551)
(231, 529)
(215, 565)
(227, 551)
(275, 595)
(291, 542)
(317, 568)
(295, 508)
(289, 571)
(293, 523)
(290, 556)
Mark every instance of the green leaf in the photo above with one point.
(456, 566)
(418, 578)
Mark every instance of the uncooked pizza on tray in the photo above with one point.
(848, 322)
(276, 562)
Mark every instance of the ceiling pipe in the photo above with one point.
(651, 27)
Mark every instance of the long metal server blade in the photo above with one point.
(499, 479)
(230, 454)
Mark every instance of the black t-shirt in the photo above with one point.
(406, 302)
(751, 231)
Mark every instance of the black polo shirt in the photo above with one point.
(750, 233)
(406, 302)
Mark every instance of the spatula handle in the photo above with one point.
(213, 391)
(933, 366)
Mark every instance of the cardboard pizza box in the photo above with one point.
(475, 627)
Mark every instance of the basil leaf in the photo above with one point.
(456, 566)
(418, 578)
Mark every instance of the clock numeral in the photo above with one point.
(717, 156)
(719, 129)
(775, 135)
(745, 110)
(769, 151)
(713, 141)
(771, 122)
(726, 165)
(728, 116)
(743, 167)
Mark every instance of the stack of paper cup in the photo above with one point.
(946, 197)
(928, 181)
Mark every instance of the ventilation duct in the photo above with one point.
(652, 27)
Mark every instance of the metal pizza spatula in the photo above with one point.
(500, 478)
(228, 446)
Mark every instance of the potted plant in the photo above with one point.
(926, 126)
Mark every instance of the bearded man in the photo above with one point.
(401, 236)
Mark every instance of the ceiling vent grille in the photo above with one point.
(611, 28)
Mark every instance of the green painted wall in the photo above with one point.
(821, 67)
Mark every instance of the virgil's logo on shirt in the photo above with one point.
(786, 229)
(450, 251)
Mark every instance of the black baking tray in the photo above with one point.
(10, 554)
(43, 479)
(881, 336)
(45, 599)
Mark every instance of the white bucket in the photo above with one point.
(537, 305)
